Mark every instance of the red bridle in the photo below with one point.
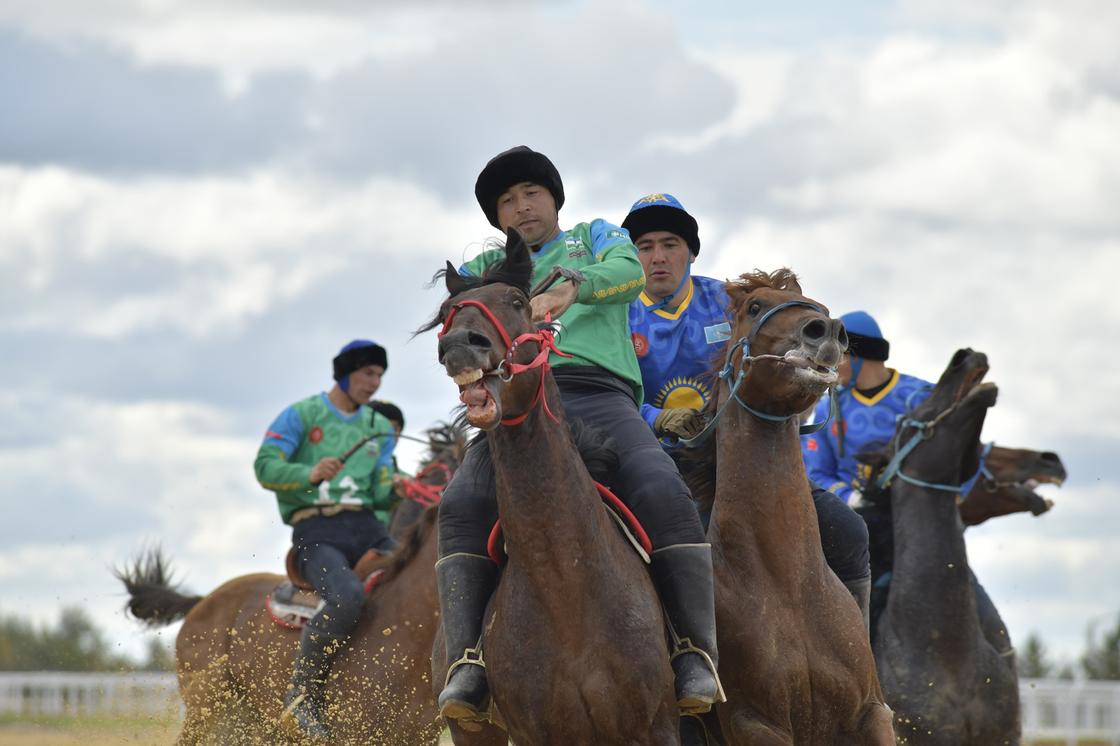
(425, 495)
(507, 369)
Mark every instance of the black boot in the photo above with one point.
(861, 592)
(303, 701)
(465, 583)
(683, 576)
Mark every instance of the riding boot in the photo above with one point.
(303, 700)
(860, 588)
(465, 583)
(683, 576)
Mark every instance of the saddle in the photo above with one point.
(292, 603)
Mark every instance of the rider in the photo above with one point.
(388, 474)
(869, 400)
(321, 457)
(677, 324)
(599, 384)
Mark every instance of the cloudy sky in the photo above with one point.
(201, 202)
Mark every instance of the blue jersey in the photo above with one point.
(678, 349)
(868, 423)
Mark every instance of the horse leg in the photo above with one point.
(207, 696)
(876, 727)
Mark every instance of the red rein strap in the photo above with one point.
(543, 337)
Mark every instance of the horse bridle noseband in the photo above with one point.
(924, 430)
(507, 369)
(744, 343)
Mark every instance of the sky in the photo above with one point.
(201, 202)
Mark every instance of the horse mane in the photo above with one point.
(410, 545)
(748, 282)
(515, 268)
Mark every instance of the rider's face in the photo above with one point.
(530, 209)
(364, 383)
(665, 258)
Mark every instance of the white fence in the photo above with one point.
(75, 694)
(1070, 712)
(1054, 711)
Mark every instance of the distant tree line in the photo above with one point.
(75, 643)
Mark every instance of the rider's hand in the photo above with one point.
(555, 301)
(327, 468)
(679, 422)
(855, 499)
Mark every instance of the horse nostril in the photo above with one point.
(815, 329)
(474, 339)
(1050, 457)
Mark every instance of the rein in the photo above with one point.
(924, 430)
(507, 369)
(744, 343)
(425, 495)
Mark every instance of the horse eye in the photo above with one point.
(754, 309)
(518, 304)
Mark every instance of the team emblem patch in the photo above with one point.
(717, 333)
(316, 434)
(641, 344)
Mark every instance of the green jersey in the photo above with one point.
(596, 329)
(313, 429)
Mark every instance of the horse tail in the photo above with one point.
(154, 599)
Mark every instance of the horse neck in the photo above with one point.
(547, 501)
(930, 560)
(763, 503)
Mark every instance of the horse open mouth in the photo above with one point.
(809, 368)
(478, 392)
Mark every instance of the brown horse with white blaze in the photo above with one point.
(573, 641)
(796, 662)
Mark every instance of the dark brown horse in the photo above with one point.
(234, 661)
(795, 659)
(574, 641)
(949, 684)
(1007, 483)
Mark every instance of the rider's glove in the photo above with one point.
(679, 422)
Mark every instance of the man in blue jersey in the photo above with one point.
(680, 326)
(870, 399)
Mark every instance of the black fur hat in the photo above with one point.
(511, 167)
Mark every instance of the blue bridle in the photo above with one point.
(744, 344)
(924, 431)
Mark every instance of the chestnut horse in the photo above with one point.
(234, 661)
(948, 683)
(1007, 481)
(574, 640)
(794, 655)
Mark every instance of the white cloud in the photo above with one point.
(237, 245)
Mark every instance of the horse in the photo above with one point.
(423, 490)
(948, 682)
(1007, 481)
(574, 639)
(795, 659)
(234, 661)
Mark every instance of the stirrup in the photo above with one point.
(470, 657)
(311, 726)
(685, 647)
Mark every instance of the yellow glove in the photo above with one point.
(680, 422)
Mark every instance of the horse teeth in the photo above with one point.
(467, 377)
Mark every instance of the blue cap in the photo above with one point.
(865, 340)
(662, 212)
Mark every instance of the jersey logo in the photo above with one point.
(316, 434)
(717, 332)
(577, 253)
(641, 344)
(811, 444)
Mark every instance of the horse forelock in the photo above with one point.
(780, 279)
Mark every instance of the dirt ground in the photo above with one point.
(84, 733)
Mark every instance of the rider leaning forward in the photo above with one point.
(679, 325)
(328, 498)
(600, 384)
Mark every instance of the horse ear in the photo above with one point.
(516, 249)
(454, 281)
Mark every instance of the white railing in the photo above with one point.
(1070, 712)
(75, 694)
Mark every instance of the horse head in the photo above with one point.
(488, 338)
(790, 347)
(1007, 482)
(945, 428)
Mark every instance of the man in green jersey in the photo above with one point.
(600, 384)
(322, 457)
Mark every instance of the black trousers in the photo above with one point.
(843, 536)
(326, 550)
(647, 479)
